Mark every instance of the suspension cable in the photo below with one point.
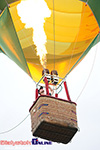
(7, 3)
(54, 30)
(77, 37)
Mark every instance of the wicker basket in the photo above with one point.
(53, 119)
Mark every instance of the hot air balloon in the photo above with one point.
(71, 30)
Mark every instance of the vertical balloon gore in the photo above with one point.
(33, 13)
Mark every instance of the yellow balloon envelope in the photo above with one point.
(71, 31)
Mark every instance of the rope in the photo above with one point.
(54, 30)
(90, 71)
(76, 38)
(15, 126)
(60, 89)
(7, 3)
(87, 1)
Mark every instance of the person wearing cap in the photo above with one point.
(41, 91)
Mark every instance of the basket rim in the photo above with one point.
(56, 98)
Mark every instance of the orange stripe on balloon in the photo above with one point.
(11, 48)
